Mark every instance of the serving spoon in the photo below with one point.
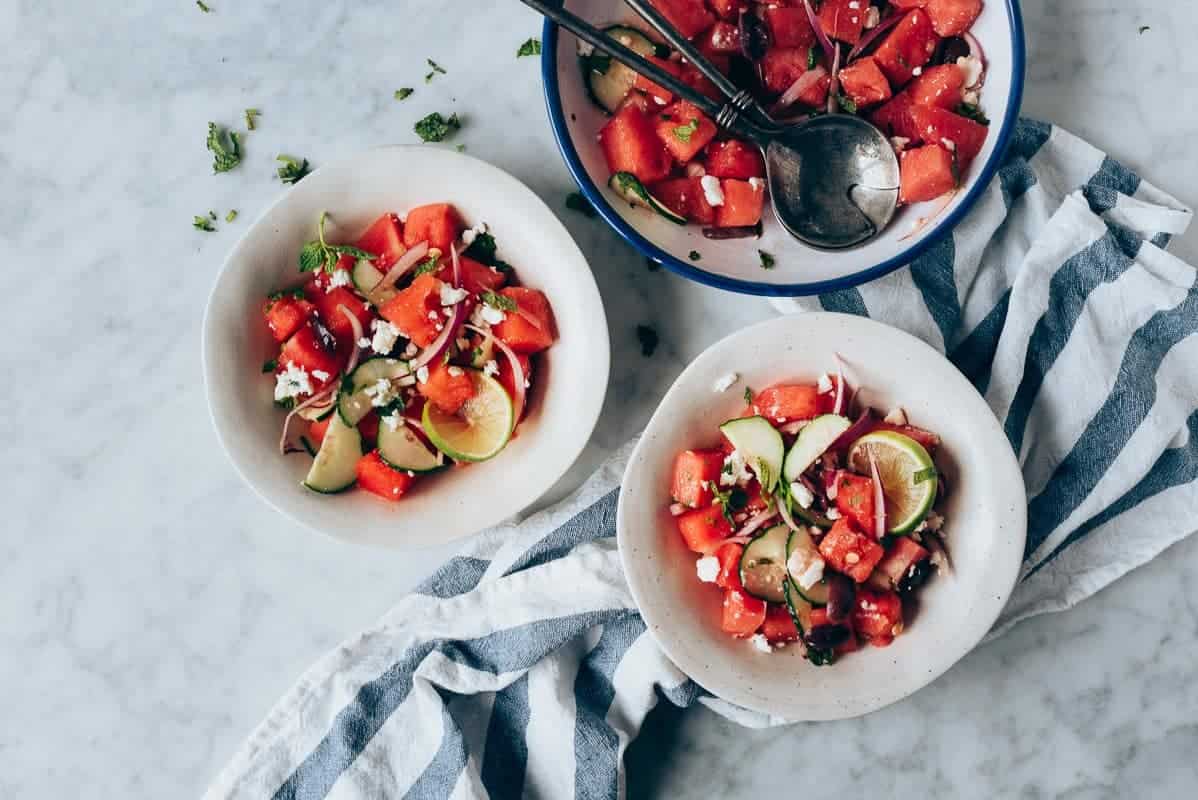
(833, 179)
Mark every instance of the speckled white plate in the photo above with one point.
(569, 385)
(985, 511)
(734, 264)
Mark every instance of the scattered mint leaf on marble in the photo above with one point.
(232, 215)
(203, 224)
(1144, 29)
(293, 169)
(767, 261)
(647, 336)
(251, 118)
(207, 9)
(435, 128)
(225, 148)
(404, 93)
(576, 202)
(530, 48)
(436, 68)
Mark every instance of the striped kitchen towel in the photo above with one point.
(522, 668)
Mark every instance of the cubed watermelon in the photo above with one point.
(843, 19)
(743, 203)
(448, 387)
(630, 144)
(877, 616)
(689, 17)
(531, 329)
(380, 478)
(782, 66)
(684, 130)
(695, 472)
(938, 87)
(894, 118)
(953, 17)
(779, 626)
(438, 224)
(790, 402)
(743, 613)
(659, 94)
(849, 551)
(685, 197)
(960, 135)
(723, 38)
(790, 26)
(855, 500)
(733, 158)
(328, 303)
(285, 313)
(908, 45)
(728, 9)
(704, 529)
(311, 350)
(926, 173)
(864, 83)
(899, 560)
(384, 238)
(416, 311)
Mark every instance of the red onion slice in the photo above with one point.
(801, 84)
(824, 41)
(356, 325)
(311, 401)
(838, 406)
(975, 50)
(879, 498)
(874, 35)
(834, 87)
(518, 377)
(784, 512)
(400, 268)
(756, 522)
(863, 425)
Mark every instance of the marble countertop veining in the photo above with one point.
(152, 609)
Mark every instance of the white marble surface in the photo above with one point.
(152, 609)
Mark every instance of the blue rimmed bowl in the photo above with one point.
(735, 264)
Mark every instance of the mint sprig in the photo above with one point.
(319, 254)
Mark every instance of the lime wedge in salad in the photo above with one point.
(481, 427)
(907, 472)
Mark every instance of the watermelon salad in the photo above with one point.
(818, 522)
(912, 67)
(402, 354)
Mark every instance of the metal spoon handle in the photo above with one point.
(727, 115)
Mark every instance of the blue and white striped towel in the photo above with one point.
(523, 669)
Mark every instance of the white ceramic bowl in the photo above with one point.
(569, 385)
(985, 511)
(735, 265)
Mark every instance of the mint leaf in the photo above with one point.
(767, 261)
(311, 257)
(293, 169)
(530, 48)
(225, 148)
(683, 133)
(404, 93)
(251, 116)
(500, 301)
(435, 128)
(202, 224)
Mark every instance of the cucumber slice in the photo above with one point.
(335, 467)
(763, 565)
(801, 541)
(760, 445)
(355, 404)
(403, 450)
(800, 610)
(629, 188)
(365, 277)
(813, 441)
(609, 81)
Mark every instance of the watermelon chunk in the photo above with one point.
(438, 224)
(689, 17)
(956, 133)
(790, 26)
(743, 204)
(684, 130)
(734, 159)
(953, 17)
(938, 87)
(864, 83)
(926, 173)
(630, 144)
(686, 198)
(843, 19)
(908, 45)
(532, 328)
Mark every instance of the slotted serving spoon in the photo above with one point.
(833, 179)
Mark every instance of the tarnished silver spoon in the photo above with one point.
(833, 179)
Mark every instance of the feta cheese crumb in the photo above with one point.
(485, 315)
(949, 145)
(808, 570)
(973, 97)
(897, 416)
(432, 315)
(825, 384)
(757, 184)
(422, 374)
(411, 350)
(832, 514)
(381, 393)
(695, 170)
(832, 490)
(899, 143)
(712, 190)
(385, 335)
(735, 471)
(855, 4)
(455, 372)
(470, 234)
(761, 644)
(852, 557)
(292, 382)
(917, 71)
(585, 48)
(724, 383)
(340, 277)
(491, 368)
(801, 494)
(872, 17)
(364, 343)
(451, 296)
(320, 375)
(707, 568)
(972, 67)
(392, 422)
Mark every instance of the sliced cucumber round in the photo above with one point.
(763, 565)
(609, 81)
(335, 467)
(403, 450)
(629, 188)
(800, 610)
(354, 404)
(812, 442)
(365, 277)
(801, 542)
(760, 445)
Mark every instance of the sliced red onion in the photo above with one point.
(677, 509)
(862, 426)
(874, 35)
(356, 326)
(801, 84)
(756, 522)
(824, 41)
(879, 498)
(834, 88)
(311, 401)
(405, 263)
(838, 406)
(518, 376)
(784, 511)
(975, 50)
(923, 222)
(439, 345)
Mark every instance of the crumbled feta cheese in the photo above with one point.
(455, 372)
(320, 375)
(660, 101)
(488, 315)
(832, 490)
(872, 17)
(825, 384)
(757, 184)
(422, 374)
(585, 48)
(364, 343)
(392, 422)
(411, 350)
(724, 383)
(451, 296)
(385, 335)
(917, 71)
(808, 569)
(340, 277)
(382, 392)
(707, 568)
(712, 190)
(292, 382)
(867, 605)
(832, 514)
(972, 67)
(735, 471)
(470, 234)
(973, 97)
(949, 145)
(854, 4)
(801, 494)
(897, 416)
(491, 367)
(761, 643)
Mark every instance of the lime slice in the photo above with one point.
(481, 427)
(907, 472)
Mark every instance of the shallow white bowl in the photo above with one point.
(735, 265)
(985, 511)
(569, 386)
